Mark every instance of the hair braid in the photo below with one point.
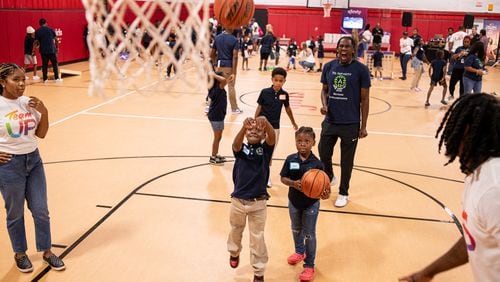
(470, 130)
(7, 69)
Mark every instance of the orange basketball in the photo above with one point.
(233, 13)
(314, 182)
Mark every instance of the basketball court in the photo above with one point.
(132, 196)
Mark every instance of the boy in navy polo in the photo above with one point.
(250, 173)
(270, 102)
(345, 98)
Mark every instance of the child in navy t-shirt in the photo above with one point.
(436, 72)
(377, 61)
(217, 112)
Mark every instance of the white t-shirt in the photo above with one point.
(458, 39)
(481, 220)
(255, 29)
(367, 36)
(405, 45)
(18, 123)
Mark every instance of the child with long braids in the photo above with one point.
(22, 177)
(470, 130)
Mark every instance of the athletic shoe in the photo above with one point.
(234, 261)
(27, 77)
(417, 89)
(54, 262)
(341, 201)
(427, 104)
(381, 79)
(46, 81)
(23, 264)
(450, 97)
(269, 183)
(237, 111)
(206, 109)
(258, 278)
(59, 80)
(215, 161)
(221, 158)
(307, 274)
(334, 181)
(444, 102)
(295, 258)
(36, 77)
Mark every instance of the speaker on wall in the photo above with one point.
(469, 21)
(407, 19)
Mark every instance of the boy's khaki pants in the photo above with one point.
(256, 211)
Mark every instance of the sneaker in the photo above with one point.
(295, 258)
(54, 262)
(36, 77)
(417, 89)
(234, 261)
(381, 79)
(307, 274)
(59, 80)
(444, 102)
(427, 104)
(450, 97)
(269, 183)
(260, 69)
(341, 201)
(237, 111)
(258, 278)
(206, 109)
(46, 81)
(23, 264)
(215, 160)
(221, 158)
(27, 77)
(334, 181)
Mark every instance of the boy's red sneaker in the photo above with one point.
(234, 261)
(295, 258)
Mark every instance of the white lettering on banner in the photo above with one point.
(354, 12)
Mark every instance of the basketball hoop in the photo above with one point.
(327, 7)
(117, 29)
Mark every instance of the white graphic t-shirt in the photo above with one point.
(481, 220)
(18, 123)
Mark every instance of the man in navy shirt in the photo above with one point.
(457, 72)
(46, 37)
(345, 104)
(225, 58)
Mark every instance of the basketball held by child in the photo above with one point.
(233, 13)
(314, 182)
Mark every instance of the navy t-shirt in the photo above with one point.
(45, 36)
(292, 50)
(294, 168)
(459, 62)
(218, 104)
(321, 49)
(251, 170)
(437, 69)
(28, 44)
(344, 90)
(266, 43)
(225, 44)
(271, 103)
(377, 58)
(473, 61)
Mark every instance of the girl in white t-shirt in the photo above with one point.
(470, 131)
(22, 177)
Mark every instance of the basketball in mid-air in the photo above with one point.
(314, 182)
(233, 13)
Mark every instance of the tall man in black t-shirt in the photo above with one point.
(345, 104)
(46, 37)
(377, 33)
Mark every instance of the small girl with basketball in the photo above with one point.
(303, 210)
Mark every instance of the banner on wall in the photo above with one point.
(493, 33)
(353, 18)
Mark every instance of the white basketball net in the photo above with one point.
(115, 41)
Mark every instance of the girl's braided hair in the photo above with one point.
(7, 69)
(471, 130)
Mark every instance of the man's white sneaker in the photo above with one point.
(341, 201)
(334, 181)
(269, 183)
(59, 80)
(36, 77)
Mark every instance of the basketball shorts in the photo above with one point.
(29, 59)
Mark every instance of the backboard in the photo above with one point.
(336, 4)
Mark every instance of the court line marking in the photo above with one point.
(100, 104)
(237, 122)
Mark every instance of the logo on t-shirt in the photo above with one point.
(24, 121)
(259, 151)
(339, 82)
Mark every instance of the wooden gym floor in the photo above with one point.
(133, 198)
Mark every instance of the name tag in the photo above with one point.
(282, 97)
(246, 151)
(294, 166)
